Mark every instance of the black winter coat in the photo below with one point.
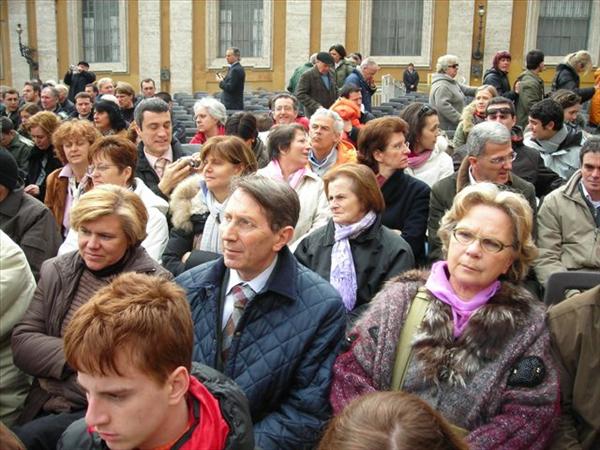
(406, 209)
(378, 254)
(410, 79)
(41, 164)
(498, 79)
(78, 81)
(181, 242)
(233, 87)
(566, 77)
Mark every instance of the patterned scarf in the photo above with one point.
(343, 273)
(439, 285)
(273, 170)
(211, 240)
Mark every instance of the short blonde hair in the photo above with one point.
(115, 200)
(512, 204)
(580, 60)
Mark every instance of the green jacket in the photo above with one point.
(531, 92)
(342, 71)
(568, 237)
(291, 87)
(20, 148)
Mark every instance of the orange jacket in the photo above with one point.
(595, 102)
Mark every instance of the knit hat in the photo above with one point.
(9, 172)
(326, 58)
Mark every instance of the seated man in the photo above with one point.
(84, 107)
(489, 158)
(327, 148)
(284, 110)
(528, 163)
(558, 144)
(16, 144)
(10, 100)
(26, 220)
(569, 220)
(574, 331)
(135, 371)
(266, 321)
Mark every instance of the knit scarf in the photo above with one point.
(439, 285)
(273, 170)
(416, 160)
(343, 273)
(210, 240)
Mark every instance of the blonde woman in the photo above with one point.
(473, 113)
(568, 72)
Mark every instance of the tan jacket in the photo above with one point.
(575, 335)
(567, 235)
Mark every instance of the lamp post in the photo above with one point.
(27, 53)
(477, 67)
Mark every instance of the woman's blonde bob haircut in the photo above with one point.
(513, 205)
(107, 200)
(581, 61)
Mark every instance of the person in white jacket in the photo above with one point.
(428, 160)
(113, 162)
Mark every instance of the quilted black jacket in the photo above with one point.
(283, 351)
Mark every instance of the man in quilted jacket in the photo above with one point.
(266, 321)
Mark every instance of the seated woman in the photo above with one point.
(390, 421)
(382, 147)
(244, 125)
(72, 141)
(354, 251)
(198, 201)
(473, 114)
(42, 160)
(26, 111)
(114, 160)
(427, 160)
(111, 223)
(288, 148)
(108, 118)
(210, 116)
(467, 337)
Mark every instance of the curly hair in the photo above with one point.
(513, 205)
(73, 130)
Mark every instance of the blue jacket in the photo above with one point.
(367, 91)
(283, 350)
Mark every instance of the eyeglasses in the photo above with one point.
(499, 160)
(503, 113)
(490, 245)
(100, 168)
(454, 66)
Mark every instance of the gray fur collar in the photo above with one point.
(444, 359)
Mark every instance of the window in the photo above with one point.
(396, 32)
(396, 28)
(241, 26)
(563, 26)
(101, 30)
(559, 27)
(245, 24)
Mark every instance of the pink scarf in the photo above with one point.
(416, 160)
(439, 285)
(273, 170)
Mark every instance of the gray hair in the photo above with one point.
(62, 88)
(485, 132)
(52, 90)
(214, 107)
(367, 62)
(103, 81)
(338, 123)
(236, 51)
(444, 61)
(277, 199)
(154, 104)
(313, 58)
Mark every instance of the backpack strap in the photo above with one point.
(414, 317)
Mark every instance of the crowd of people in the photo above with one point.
(268, 286)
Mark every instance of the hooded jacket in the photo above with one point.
(448, 96)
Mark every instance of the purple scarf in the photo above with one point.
(416, 160)
(439, 285)
(343, 274)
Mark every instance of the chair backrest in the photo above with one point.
(560, 282)
(191, 148)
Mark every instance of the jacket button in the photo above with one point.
(238, 333)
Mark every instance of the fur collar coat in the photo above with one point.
(468, 379)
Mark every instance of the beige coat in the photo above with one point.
(568, 237)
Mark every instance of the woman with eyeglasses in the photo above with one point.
(473, 114)
(382, 146)
(113, 161)
(427, 160)
(466, 336)
(447, 94)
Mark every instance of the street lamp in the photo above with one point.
(27, 53)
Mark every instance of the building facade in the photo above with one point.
(181, 43)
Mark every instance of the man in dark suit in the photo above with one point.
(232, 84)
(317, 87)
